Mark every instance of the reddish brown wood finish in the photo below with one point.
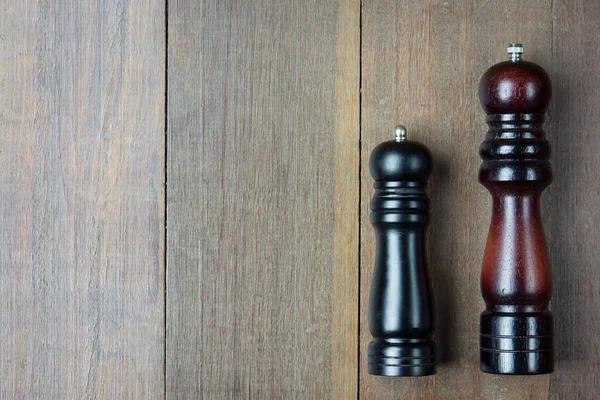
(516, 279)
(515, 88)
(516, 274)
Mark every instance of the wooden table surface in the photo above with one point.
(185, 192)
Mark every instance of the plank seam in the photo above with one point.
(360, 66)
(166, 203)
(550, 117)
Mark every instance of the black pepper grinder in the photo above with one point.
(401, 309)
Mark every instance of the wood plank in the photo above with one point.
(82, 194)
(573, 196)
(421, 65)
(262, 243)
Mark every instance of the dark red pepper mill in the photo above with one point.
(516, 278)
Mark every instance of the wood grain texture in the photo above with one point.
(263, 192)
(421, 65)
(262, 265)
(575, 222)
(82, 194)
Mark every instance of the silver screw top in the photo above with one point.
(514, 51)
(400, 133)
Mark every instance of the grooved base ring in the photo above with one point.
(516, 344)
(402, 359)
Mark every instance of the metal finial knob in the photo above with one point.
(514, 51)
(400, 133)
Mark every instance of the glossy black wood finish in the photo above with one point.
(401, 309)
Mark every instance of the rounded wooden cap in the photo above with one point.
(401, 160)
(515, 86)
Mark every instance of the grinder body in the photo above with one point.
(516, 329)
(401, 308)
